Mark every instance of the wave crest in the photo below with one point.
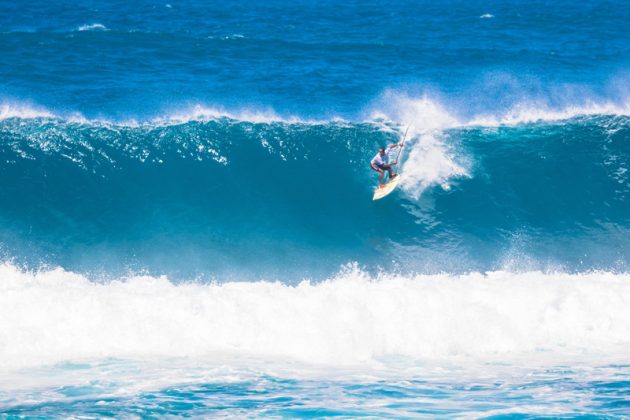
(22, 111)
(423, 114)
(92, 27)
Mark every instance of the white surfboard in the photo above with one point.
(386, 189)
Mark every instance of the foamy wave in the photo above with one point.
(10, 110)
(92, 27)
(422, 114)
(204, 113)
(55, 315)
(486, 16)
(190, 114)
(527, 112)
(429, 114)
(429, 162)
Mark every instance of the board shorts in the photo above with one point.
(381, 167)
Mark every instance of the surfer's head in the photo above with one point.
(381, 150)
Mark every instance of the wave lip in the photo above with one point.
(204, 113)
(426, 113)
(352, 318)
(195, 113)
(92, 27)
(422, 115)
(526, 113)
(23, 111)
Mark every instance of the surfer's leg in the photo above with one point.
(380, 174)
(389, 171)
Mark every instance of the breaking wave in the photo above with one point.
(205, 192)
(352, 318)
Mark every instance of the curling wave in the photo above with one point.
(211, 195)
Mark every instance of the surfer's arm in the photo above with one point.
(391, 146)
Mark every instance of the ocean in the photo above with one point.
(187, 225)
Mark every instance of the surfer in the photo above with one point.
(380, 165)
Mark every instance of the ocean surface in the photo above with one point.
(187, 225)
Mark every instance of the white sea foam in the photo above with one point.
(257, 116)
(188, 114)
(429, 162)
(422, 114)
(486, 16)
(205, 113)
(532, 111)
(92, 27)
(21, 110)
(55, 315)
(426, 113)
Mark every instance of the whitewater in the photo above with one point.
(73, 345)
(346, 320)
(187, 230)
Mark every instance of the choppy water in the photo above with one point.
(171, 243)
(476, 391)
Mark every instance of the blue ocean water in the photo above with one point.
(186, 223)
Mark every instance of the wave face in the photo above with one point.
(228, 198)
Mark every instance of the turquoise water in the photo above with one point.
(477, 391)
(186, 223)
(231, 199)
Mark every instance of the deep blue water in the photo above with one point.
(230, 141)
(304, 58)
